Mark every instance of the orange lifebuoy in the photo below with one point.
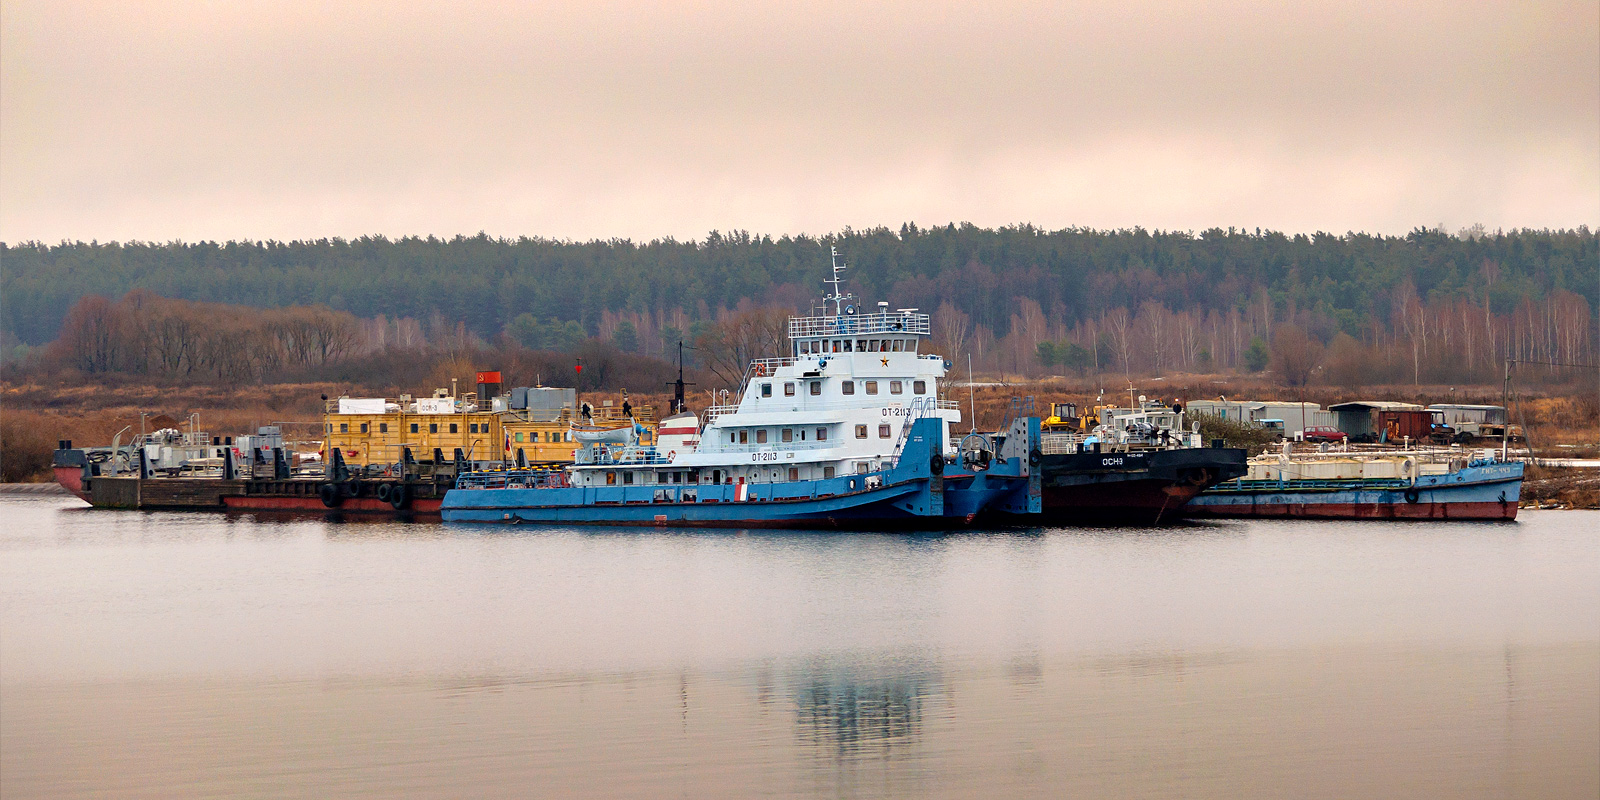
(671, 454)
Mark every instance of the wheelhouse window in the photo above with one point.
(344, 427)
(363, 427)
(766, 390)
(919, 387)
(861, 431)
(744, 437)
(473, 428)
(872, 387)
(433, 427)
(897, 343)
(788, 389)
(896, 387)
(383, 427)
(761, 436)
(822, 434)
(519, 437)
(847, 344)
(454, 428)
(883, 431)
(848, 387)
(413, 427)
(816, 388)
(874, 347)
(788, 434)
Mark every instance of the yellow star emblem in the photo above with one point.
(885, 361)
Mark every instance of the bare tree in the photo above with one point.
(1294, 354)
(951, 326)
(744, 336)
(92, 335)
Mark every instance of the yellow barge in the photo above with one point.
(530, 425)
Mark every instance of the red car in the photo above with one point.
(1324, 433)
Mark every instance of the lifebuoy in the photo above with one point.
(671, 454)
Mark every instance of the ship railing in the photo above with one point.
(1421, 455)
(620, 455)
(712, 412)
(919, 408)
(799, 405)
(883, 323)
(1060, 444)
(797, 446)
(514, 479)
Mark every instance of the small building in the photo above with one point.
(1360, 419)
(1472, 420)
(1292, 418)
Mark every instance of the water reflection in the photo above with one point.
(843, 715)
(180, 655)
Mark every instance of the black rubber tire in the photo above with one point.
(1035, 457)
(353, 488)
(399, 496)
(936, 464)
(1412, 495)
(384, 490)
(330, 495)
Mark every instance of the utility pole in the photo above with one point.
(1505, 405)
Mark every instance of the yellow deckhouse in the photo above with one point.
(531, 422)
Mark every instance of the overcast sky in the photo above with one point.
(587, 119)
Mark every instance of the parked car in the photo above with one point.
(1324, 433)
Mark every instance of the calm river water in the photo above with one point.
(191, 655)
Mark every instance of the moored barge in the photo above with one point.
(1424, 485)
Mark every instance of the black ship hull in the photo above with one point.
(1143, 487)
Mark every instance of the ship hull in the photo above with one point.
(71, 479)
(293, 496)
(1489, 492)
(879, 509)
(908, 496)
(1136, 488)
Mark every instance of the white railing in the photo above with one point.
(886, 323)
(800, 404)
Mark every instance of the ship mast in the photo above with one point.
(838, 297)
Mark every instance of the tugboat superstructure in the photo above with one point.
(841, 403)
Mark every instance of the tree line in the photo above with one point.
(1018, 299)
(146, 336)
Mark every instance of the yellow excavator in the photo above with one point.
(1064, 418)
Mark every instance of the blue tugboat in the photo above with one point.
(848, 430)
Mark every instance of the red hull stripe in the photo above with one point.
(1490, 510)
(675, 431)
(365, 505)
